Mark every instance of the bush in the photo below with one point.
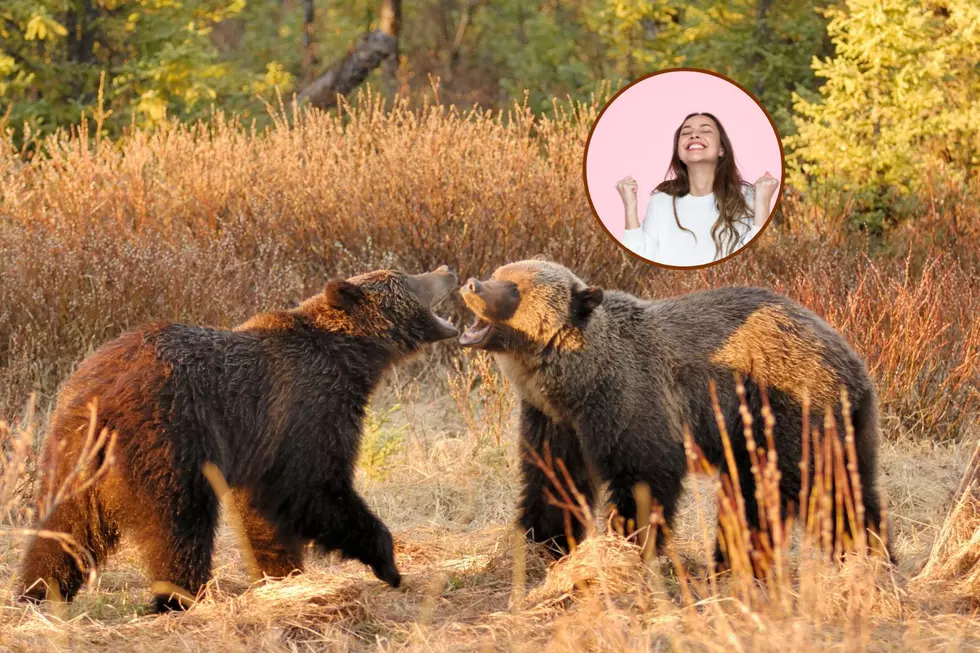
(208, 223)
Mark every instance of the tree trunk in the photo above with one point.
(764, 41)
(457, 44)
(309, 58)
(345, 75)
(391, 22)
(82, 24)
(374, 49)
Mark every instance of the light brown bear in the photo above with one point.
(610, 380)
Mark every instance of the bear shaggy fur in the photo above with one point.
(276, 404)
(609, 381)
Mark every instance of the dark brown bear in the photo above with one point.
(276, 403)
(610, 380)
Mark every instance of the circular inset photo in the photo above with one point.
(683, 168)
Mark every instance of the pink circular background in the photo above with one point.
(634, 137)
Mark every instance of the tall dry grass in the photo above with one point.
(211, 222)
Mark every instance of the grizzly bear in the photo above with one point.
(276, 404)
(609, 382)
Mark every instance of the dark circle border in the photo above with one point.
(779, 195)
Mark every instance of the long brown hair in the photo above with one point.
(727, 187)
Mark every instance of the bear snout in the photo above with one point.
(446, 271)
(472, 286)
(432, 287)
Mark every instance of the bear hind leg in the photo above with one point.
(178, 561)
(747, 486)
(841, 527)
(865, 422)
(176, 543)
(49, 562)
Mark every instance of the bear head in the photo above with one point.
(528, 305)
(389, 305)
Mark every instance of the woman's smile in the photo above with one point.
(695, 143)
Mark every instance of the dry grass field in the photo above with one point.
(208, 224)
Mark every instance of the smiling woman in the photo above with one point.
(704, 212)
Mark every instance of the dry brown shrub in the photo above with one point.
(210, 222)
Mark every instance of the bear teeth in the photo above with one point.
(475, 334)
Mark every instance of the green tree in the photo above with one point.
(545, 50)
(567, 47)
(637, 36)
(268, 35)
(157, 54)
(901, 100)
(765, 46)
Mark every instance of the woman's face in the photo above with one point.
(699, 141)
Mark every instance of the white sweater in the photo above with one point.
(658, 239)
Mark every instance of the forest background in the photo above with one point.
(872, 98)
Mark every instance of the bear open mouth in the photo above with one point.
(476, 334)
(443, 322)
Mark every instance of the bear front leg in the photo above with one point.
(277, 554)
(661, 468)
(337, 518)
(541, 520)
(664, 495)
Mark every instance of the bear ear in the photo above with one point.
(342, 294)
(584, 301)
